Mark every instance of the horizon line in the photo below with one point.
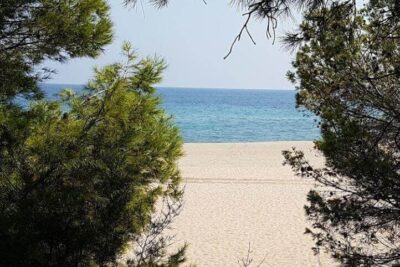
(190, 87)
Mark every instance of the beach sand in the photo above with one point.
(240, 194)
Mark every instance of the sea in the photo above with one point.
(207, 115)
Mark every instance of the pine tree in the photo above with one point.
(80, 176)
(347, 70)
(78, 186)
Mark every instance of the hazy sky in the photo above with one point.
(193, 38)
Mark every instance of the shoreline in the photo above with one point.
(250, 142)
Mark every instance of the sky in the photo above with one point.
(193, 38)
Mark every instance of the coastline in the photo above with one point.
(238, 194)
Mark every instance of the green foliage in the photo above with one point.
(76, 187)
(34, 30)
(347, 69)
(79, 177)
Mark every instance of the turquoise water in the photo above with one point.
(232, 115)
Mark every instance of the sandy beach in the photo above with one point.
(240, 194)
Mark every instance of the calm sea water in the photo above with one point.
(231, 115)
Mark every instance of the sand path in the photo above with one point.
(238, 194)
